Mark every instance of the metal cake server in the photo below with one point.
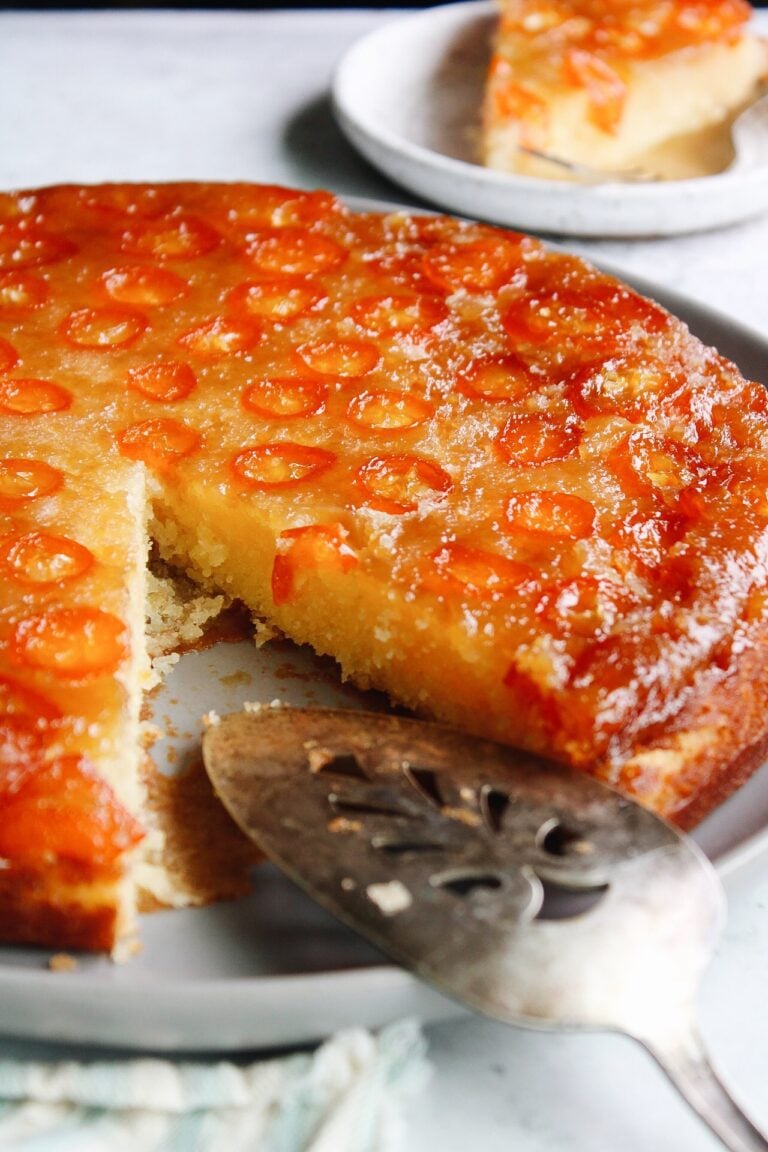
(532, 893)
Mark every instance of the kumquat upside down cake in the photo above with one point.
(487, 478)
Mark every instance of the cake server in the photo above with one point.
(535, 895)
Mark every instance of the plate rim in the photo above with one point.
(369, 135)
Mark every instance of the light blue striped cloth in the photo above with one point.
(345, 1097)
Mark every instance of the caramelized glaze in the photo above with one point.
(548, 466)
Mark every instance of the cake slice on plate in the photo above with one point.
(487, 478)
(619, 85)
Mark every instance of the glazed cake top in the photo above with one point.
(497, 430)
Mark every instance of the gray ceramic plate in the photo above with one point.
(273, 969)
(408, 97)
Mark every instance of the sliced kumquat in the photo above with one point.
(285, 397)
(752, 493)
(24, 246)
(9, 357)
(498, 378)
(461, 568)
(279, 299)
(555, 514)
(21, 292)
(388, 411)
(583, 605)
(171, 238)
(166, 380)
(313, 547)
(540, 320)
(533, 439)
(108, 206)
(294, 252)
(39, 558)
(741, 416)
(280, 465)
(676, 577)
(648, 538)
(626, 308)
(348, 359)
(22, 479)
(387, 315)
(420, 230)
(144, 284)
(397, 484)
(33, 397)
(606, 90)
(103, 329)
(158, 443)
(622, 385)
(16, 699)
(531, 321)
(517, 102)
(478, 265)
(306, 208)
(65, 809)
(71, 642)
(597, 313)
(725, 490)
(271, 205)
(222, 336)
(646, 463)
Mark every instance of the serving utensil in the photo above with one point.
(587, 173)
(533, 894)
(749, 138)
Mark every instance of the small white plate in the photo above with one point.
(408, 97)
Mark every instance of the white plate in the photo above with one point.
(408, 98)
(273, 969)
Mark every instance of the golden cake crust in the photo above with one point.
(487, 478)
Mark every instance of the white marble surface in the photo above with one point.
(216, 95)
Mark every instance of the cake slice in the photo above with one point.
(487, 478)
(648, 87)
(72, 553)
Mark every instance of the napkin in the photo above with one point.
(345, 1097)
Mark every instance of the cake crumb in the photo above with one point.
(211, 719)
(62, 962)
(126, 950)
(263, 632)
(318, 757)
(150, 733)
